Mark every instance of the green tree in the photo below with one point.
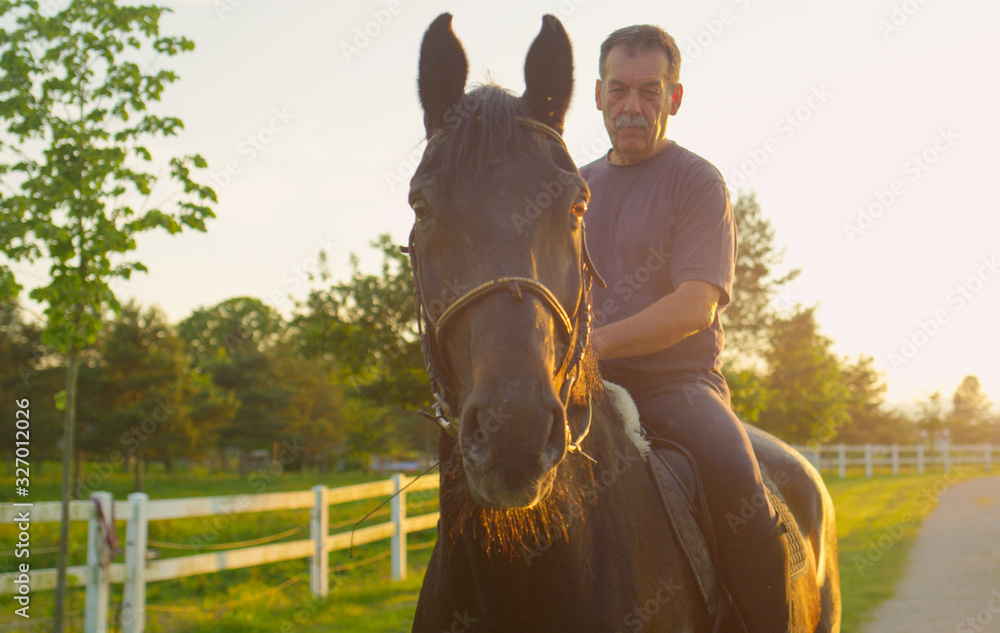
(284, 401)
(931, 419)
(28, 371)
(868, 421)
(233, 326)
(316, 419)
(809, 399)
(758, 290)
(970, 419)
(759, 298)
(368, 326)
(152, 398)
(748, 393)
(234, 343)
(74, 104)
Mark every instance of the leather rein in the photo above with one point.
(577, 326)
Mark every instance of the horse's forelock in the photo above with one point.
(478, 129)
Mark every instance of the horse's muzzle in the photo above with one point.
(510, 448)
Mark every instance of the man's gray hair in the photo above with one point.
(642, 37)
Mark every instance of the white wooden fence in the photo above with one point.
(917, 457)
(138, 569)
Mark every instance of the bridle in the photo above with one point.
(576, 325)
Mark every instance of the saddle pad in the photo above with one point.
(793, 536)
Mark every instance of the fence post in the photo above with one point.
(319, 530)
(398, 543)
(133, 618)
(816, 457)
(946, 457)
(98, 563)
(868, 461)
(842, 459)
(986, 456)
(920, 459)
(895, 459)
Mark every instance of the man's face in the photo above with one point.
(636, 101)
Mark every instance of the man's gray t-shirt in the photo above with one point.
(650, 227)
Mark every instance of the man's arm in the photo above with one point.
(687, 310)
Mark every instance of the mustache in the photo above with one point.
(630, 121)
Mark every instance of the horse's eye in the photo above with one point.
(421, 209)
(579, 208)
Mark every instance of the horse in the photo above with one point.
(549, 519)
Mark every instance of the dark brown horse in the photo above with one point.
(550, 521)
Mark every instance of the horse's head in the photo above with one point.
(500, 265)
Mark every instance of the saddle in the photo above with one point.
(682, 494)
(685, 503)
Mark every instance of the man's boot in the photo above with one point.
(757, 575)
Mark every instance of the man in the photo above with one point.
(662, 233)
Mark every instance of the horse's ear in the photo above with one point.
(442, 73)
(548, 74)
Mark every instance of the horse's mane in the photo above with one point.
(478, 130)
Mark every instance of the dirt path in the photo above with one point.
(952, 581)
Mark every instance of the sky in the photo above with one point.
(867, 129)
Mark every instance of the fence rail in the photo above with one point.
(138, 568)
(841, 457)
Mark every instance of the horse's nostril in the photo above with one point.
(473, 440)
(555, 443)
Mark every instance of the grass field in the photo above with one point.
(877, 520)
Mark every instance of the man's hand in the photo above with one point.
(690, 308)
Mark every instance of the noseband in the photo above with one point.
(577, 327)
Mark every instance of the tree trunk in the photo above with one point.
(72, 373)
(77, 476)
